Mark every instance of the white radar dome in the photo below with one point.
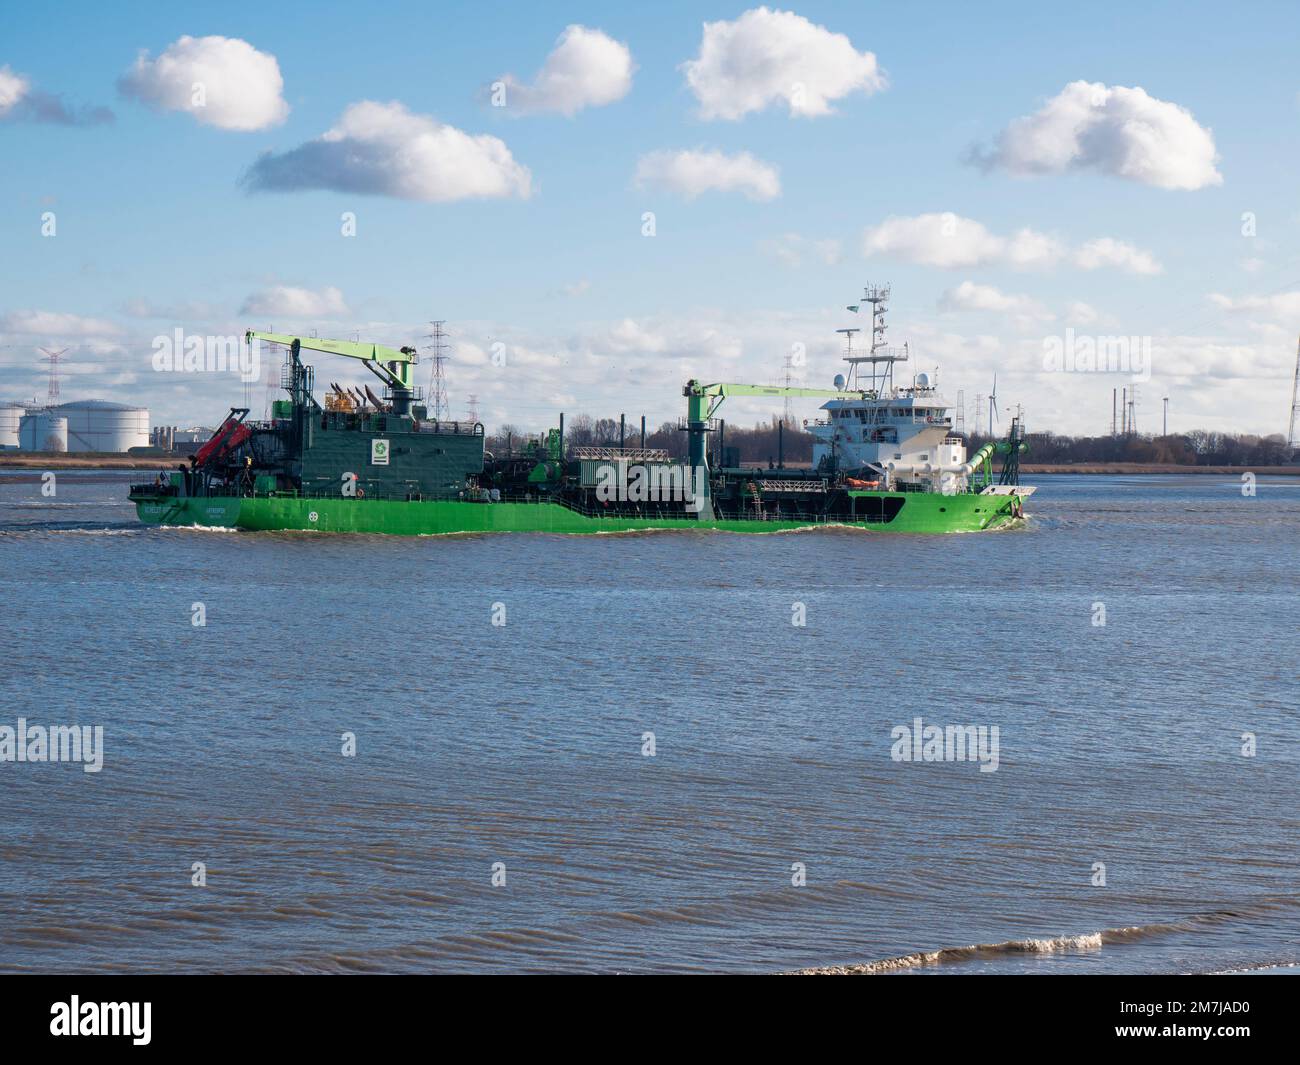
(839, 381)
(923, 380)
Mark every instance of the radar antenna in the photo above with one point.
(881, 358)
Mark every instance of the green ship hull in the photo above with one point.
(919, 512)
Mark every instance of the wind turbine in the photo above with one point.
(993, 403)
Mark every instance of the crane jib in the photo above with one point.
(393, 365)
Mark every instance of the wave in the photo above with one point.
(1086, 942)
(15, 528)
(66, 506)
(1287, 968)
(1082, 943)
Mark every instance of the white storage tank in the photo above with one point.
(43, 431)
(10, 415)
(100, 425)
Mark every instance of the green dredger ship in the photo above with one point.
(885, 459)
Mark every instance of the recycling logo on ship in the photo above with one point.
(379, 452)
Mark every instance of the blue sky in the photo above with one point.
(157, 228)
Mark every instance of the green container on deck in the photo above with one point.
(264, 484)
(281, 408)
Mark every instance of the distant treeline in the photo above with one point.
(1200, 447)
(758, 444)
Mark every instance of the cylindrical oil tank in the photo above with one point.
(100, 425)
(43, 432)
(10, 415)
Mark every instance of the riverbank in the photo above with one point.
(83, 460)
(72, 460)
(1152, 467)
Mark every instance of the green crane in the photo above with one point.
(390, 365)
(702, 402)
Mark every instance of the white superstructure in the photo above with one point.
(898, 435)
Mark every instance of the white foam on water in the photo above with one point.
(1084, 943)
(35, 528)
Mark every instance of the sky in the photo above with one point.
(603, 201)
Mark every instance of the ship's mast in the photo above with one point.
(881, 357)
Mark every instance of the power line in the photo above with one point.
(789, 381)
(438, 373)
(1292, 440)
(53, 357)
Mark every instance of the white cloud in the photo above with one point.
(183, 310)
(793, 249)
(1279, 305)
(637, 364)
(1198, 358)
(13, 87)
(1080, 313)
(628, 336)
(577, 288)
(766, 57)
(289, 301)
(969, 296)
(1028, 249)
(950, 241)
(385, 150)
(55, 324)
(19, 100)
(221, 81)
(1119, 131)
(690, 173)
(1105, 251)
(587, 68)
(954, 350)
